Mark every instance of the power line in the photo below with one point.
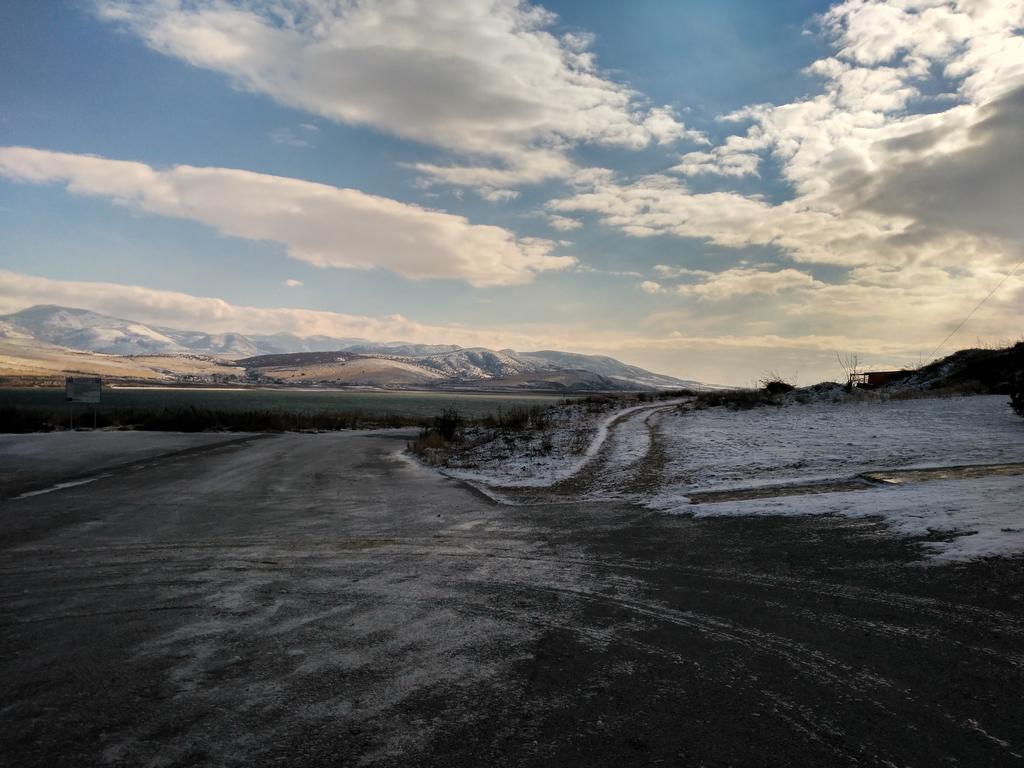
(1006, 277)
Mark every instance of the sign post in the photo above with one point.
(82, 389)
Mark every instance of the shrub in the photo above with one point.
(447, 429)
(673, 394)
(517, 419)
(739, 399)
(429, 440)
(449, 424)
(778, 387)
(774, 384)
(1017, 384)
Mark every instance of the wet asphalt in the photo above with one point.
(306, 600)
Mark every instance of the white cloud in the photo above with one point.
(660, 205)
(498, 195)
(482, 79)
(718, 162)
(667, 270)
(291, 282)
(563, 223)
(730, 283)
(289, 137)
(747, 282)
(873, 181)
(319, 224)
(663, 127)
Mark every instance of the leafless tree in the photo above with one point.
(850, 363)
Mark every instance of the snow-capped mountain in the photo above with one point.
(92, 332)
(81, 329)
(476, 363)
(606, 366)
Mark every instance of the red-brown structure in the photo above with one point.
(872, 379)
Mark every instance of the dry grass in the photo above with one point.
(27, 419)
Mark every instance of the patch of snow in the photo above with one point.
(631, 441)
(717, 449)
(574, 439)
(60, 487)
(977, 517)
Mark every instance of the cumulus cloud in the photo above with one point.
(291, 282)
(974, 187)
(882, 174)
(746, 282)
(483, 79)
(730, 283)
(721, 163)
(319, 224)
(563, 223)
(660, 205)
(499, 195)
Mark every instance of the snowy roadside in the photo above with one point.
(701, 451)
(968, 518)
(718, 449)
(538, 458)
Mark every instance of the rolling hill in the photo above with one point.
(284, 359)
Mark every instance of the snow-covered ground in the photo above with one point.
(975, 517)
(536, 458)
(719, 449)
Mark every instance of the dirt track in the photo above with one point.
(311, 599)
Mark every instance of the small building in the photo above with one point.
(872, 379)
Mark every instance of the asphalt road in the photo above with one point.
(305, 600)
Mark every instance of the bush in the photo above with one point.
(1017, 386)
(447, 429)
(429, 440)
(673, 394)
(778, 387)
(739, 399)
(775, 384)
(449, 424)
(518, 419)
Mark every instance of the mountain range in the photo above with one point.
(315, 360)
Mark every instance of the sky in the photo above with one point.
(720, 190)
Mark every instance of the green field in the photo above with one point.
(410, 404)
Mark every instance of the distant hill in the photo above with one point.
(324, 361)
(986, 370)
(89, 331)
